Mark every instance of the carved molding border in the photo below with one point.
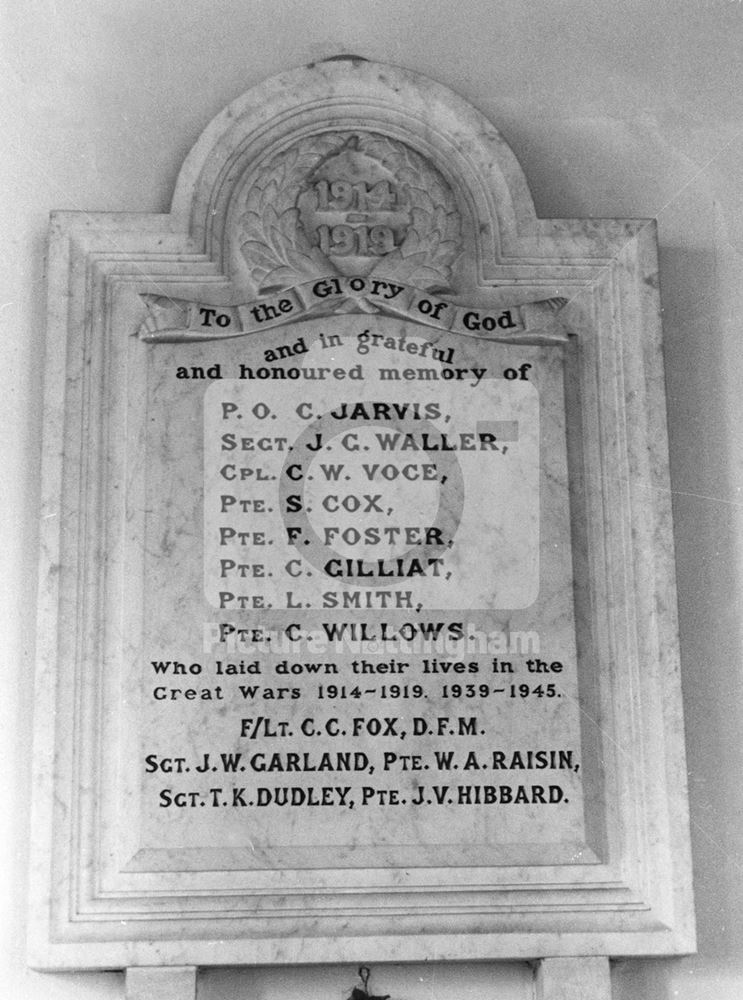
(630, 892)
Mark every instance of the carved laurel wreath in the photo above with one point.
(275, 246)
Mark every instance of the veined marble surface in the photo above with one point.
(546, 513)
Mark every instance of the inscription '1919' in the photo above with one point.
(362, 241)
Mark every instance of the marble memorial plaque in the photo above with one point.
(357, 600)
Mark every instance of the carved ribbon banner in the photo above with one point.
(177, 320)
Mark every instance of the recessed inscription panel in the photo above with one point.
(373, 656)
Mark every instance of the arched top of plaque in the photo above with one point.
(371, 167)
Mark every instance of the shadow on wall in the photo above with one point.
(707, 525)
(465, 981)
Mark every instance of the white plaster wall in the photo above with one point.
(621, 108)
